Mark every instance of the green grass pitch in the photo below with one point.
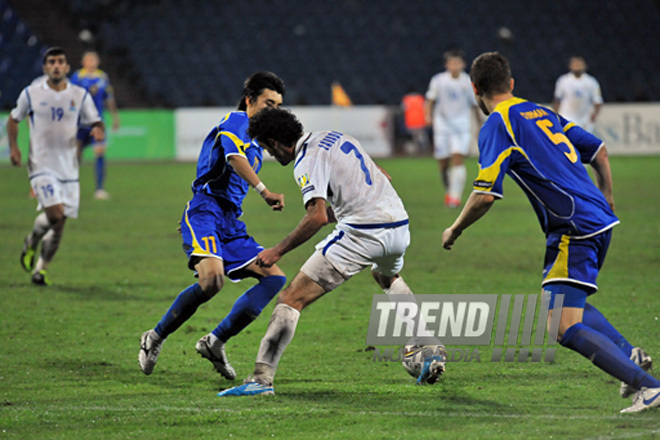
(68, 357)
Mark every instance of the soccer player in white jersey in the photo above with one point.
(577, 95)
(54, 108)
(449, 100)
(372, 227)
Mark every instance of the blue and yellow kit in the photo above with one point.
(97, 84)
(544, 153)
(210, 226)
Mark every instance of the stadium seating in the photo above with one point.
(197, 53)
(20, 56)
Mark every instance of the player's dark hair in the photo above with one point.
(490, 73)
(275, 123)
(255, 85)
(53, 51)
(453, 53)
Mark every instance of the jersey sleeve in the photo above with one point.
(75, 78)
(586, 143)
(228, 136)
(312, 175)
(88, 114)
(495, 155)
(432, 93)
(598, 96)
(559, 92)
(23, 107)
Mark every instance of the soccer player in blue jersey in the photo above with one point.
(544, 153)
(215, 240)
(98, 85)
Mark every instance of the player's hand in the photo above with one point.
(274, 200)
(98, 134)
(268, 257)
(15, 155)
(178, 228)
(449, 237)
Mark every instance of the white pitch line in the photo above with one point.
(78, 408)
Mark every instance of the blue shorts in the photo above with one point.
(575, 261)
(210, 228)
(84, 135)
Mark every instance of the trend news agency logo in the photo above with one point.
(465, 320)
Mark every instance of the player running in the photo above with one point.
(98, 85)
(449, 102)
(215, 240)
(544, 153)
(372, 228)
(54, 107)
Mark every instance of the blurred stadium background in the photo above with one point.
(173, 54)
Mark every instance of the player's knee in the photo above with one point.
(291, 299)
(211, 283)
(56, 218)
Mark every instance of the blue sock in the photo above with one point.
(606, 356)
(100, 172)
(594, 319)
(248, 306)
(183, 307)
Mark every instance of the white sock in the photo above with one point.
(51, 243)
(457, 175)
(398, 287)
(280, 332)
(39, 229)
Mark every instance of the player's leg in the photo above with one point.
(593, 345)
(441, 155)
(99, 152)
(459, 145)
(316, 277)
(39, 228)
(210, 271)
(51, 242)
(201, 244)
(245, 310)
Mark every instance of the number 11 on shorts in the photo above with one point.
(206, 241)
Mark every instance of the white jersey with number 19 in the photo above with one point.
(54, 118)
(334, 167)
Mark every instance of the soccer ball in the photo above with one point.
(415, 356)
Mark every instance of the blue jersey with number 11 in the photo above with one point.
(544, 154)
(215, 176)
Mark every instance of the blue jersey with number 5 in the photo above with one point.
(544, 154)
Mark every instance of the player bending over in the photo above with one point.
(372, 228)
(544, 153)
(215, 240)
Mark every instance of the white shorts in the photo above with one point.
(447, 144)
(51, 191)
(350, 250)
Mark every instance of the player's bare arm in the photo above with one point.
(112, 106)
(243, 169)
(315, 218)
(476, 206)
(428, 111)
(603, 172)
(98, 131)
(12, 134)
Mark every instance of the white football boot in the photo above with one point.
(150, 345)
(642, 359)
(646, 398)
(216, 354)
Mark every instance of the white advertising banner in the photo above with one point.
(630, 129)
(371, 125)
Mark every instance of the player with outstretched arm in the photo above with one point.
(371, 231)
(544, 153)
(215, 240)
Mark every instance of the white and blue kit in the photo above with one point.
(372, 223)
